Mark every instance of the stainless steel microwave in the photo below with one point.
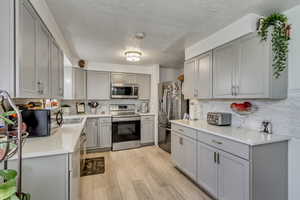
(124, 91)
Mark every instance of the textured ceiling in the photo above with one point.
(100, 30)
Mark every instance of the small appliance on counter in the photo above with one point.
(219, 118)
(41, 123)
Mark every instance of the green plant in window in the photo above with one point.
(280, 39)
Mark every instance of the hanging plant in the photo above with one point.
(280, 36)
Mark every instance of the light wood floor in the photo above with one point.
(139, 174)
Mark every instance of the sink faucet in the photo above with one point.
(266, 127)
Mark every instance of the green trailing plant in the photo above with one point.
(280, 39)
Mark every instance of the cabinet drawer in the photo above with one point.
(184, 131)
(149, 117)
(105, 120)
(235, 148)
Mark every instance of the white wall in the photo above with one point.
(284, 114)
(169, 74)
(153, 70)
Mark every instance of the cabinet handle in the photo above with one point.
(232, 90)
(218, 158)
(180, 130)
(237, 88)
(215, 157)
(217, 142)
(181, 141)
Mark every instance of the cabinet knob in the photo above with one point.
(181, 141)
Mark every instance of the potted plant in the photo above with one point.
(8, 177)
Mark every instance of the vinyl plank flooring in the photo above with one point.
(139, 174)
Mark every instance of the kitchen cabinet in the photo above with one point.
(74, 173)
(184, 153)
(230, 170)
(28, 80)
(99, 133)
(198, 83)
(29, 55)
(43, 61)
(207, 175)
(144, 83)
(224, 63)
(123, 78)
(98, 85)
(104, 133)
(147, 129)
(243, 69)
(92, 132)
(80, 84)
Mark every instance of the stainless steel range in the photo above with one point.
(126, 127)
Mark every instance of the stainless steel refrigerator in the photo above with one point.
(172, 106)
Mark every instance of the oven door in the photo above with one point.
(124, 91)
(126, 133)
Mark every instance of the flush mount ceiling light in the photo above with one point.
(133, 56)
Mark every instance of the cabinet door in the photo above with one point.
(207, 168)
(189, 89)
(177, 150)
(80, 84)
(98, 85)
(28, 85)
(203, 81)
(74, 179)
(147, 131)
(68, 83)
(123, 78)
(104, 137)
(252, 72)
(92, 133)
(233, 177)
(55, 70)
(43, 61)
(225, 61)
(144, 82)
(61, 74)
(189, 157)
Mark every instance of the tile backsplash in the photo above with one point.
(103, 107)
(284, 114)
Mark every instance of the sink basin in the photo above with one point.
(73, 121)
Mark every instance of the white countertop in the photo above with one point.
(86, 115)
(61, 142)
(242, 135)
(146, 114)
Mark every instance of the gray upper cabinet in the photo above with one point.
(28, 81)
(31, 56)
(189, 81)
(224, 64)
(80, 83)
(43, 60)
(243, 69)
(55, 70)
(198, 73)
(147, 129)
(144, 82)
(123, 78)
(98, 85)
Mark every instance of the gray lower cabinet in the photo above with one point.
(92, 132)
(229, 170)
(98, 132)
(147, 129)
(184, 153)
(223, 175)
(98, 85)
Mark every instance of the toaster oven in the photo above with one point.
(219, 118)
